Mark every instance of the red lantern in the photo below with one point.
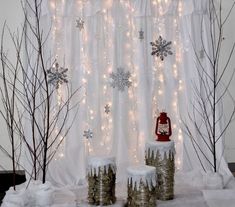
(163, 127)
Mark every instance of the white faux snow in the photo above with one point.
(213, 181)
(101, 162)
(160, 147)
(35, 194)
(144, 173)
(186, 195)
(14, 199)
(220, 198)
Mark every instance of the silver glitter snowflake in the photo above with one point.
(88, 134)
(120, 79)
(107, 108)
(161, 48)
(57, 75)
(141, 34)
(80, 23)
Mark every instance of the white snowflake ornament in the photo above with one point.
(161, 48)
(120, 79)
(88, 134)
(57, 75)
(107, 108)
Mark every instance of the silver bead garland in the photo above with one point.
(142, 196)
(101, 186)
(165, 169)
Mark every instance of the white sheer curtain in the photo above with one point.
(110, 40)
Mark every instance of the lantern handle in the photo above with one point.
(156, 129)
(169, 121)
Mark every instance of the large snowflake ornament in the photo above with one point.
(161, 48)
(88, 134)
(121, 79)
(57, 75)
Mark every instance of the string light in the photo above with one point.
(131, 48)
(57, 51)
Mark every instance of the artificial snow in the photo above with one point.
(186, 195)
(144, 173)
(101, 162)
(220, 198)
(163, 148)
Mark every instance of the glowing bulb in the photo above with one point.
(84, 80)
(52, 5)
(180, 137)
(161, 78)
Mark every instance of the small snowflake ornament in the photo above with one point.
(161, 48)
(57, 75)
(107, 108)
(88, 134)
(80, 23)
(141, 35)
(120, 79)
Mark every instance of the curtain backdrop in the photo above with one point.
(97, 38)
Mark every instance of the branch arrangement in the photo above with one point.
(207, 115)
(34, 116)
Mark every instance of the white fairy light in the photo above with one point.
(129, 34)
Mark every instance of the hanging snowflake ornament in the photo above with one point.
(80, 23)
(107, 109)
(120, 79)
(88, 134)
(141, 34)
(57, 75)
(161, 48)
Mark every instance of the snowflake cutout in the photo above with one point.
(80, 23)
(88, 134)
(120, 79)
(57, 75)
(161, 48)
(141, 35)
(107, 108)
